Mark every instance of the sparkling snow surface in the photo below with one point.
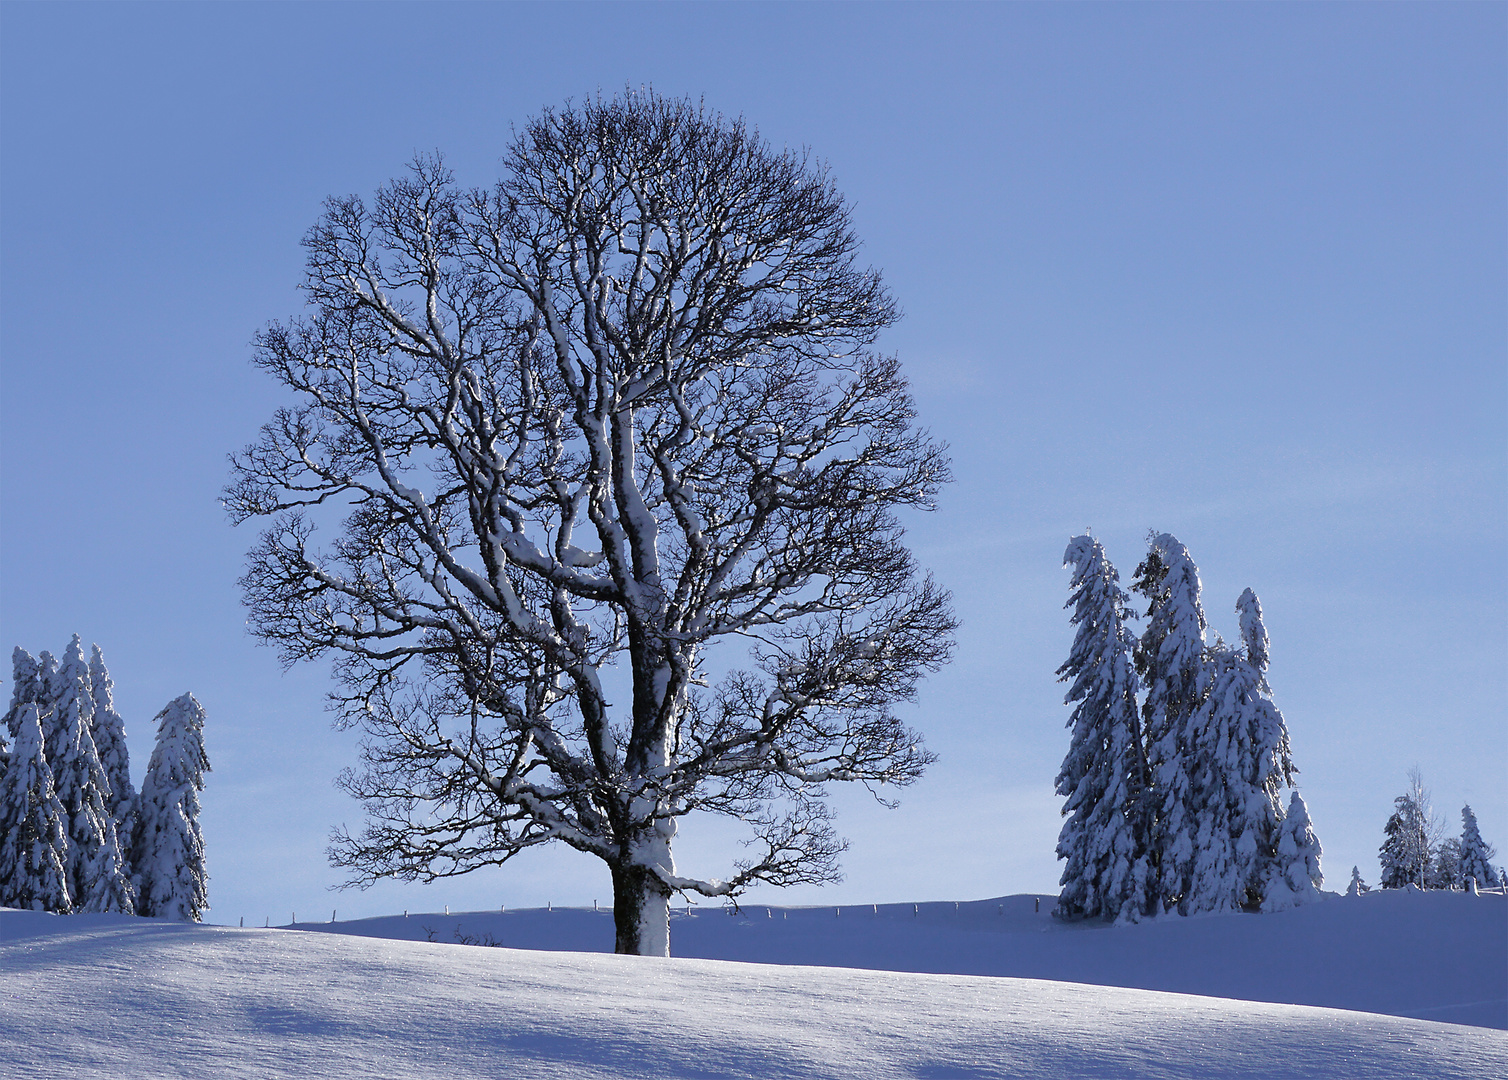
(112, 996)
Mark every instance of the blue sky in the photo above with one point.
(1237, 272)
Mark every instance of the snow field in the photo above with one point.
(1432, 956)
(118, 997)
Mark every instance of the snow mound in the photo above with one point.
(1431, 956)
(112, 996)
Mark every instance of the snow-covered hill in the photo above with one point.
(1432, 956)
(121, 998)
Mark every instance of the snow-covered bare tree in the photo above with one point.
(1104, 773)
(33, 823)
(1170, 658)
(1476, 855)
(169, 846)
(1295, 872)
(584, 426)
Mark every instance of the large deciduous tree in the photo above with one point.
(582, 427)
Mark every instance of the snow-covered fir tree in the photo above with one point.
(1410, 837)
(1204, 806)
(108, 884)
(33, 824)
(1357, 886)
(1216, 796)
(66, 722)
(1475, 854)
(169, 848)
(98, 871)
(1268, 765)
(1238, 762)
(48, 686)
(25, 687)
(1105, 873)
(1170, 660)
(109, 732)
(1445, 866)
(1296, 876)
(1404, 854)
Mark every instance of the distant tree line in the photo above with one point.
(1178, 757)
(1417, 851)
(75, 836)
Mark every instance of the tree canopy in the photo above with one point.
(578, 428)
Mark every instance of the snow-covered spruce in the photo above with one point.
(1410, 835)
(33, 824)
(1357, 886)
(98, 872)
(1103, 774)
(1445, 866)
(1170, 660)
(1239, 762)
(1402, 861)
(169, 847)
(1475, 855)
(26, 687)
(109, 732)
(1217, 799)
(1206, 820)
(48, 687)
(25, 684)
(1295, 876)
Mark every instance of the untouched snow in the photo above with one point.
(1431, 956)
(112, 996)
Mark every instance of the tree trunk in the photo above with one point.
(641, 911)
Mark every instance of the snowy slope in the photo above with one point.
(1432, 956)
(111, 996)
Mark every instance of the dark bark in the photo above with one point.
(632, 886)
